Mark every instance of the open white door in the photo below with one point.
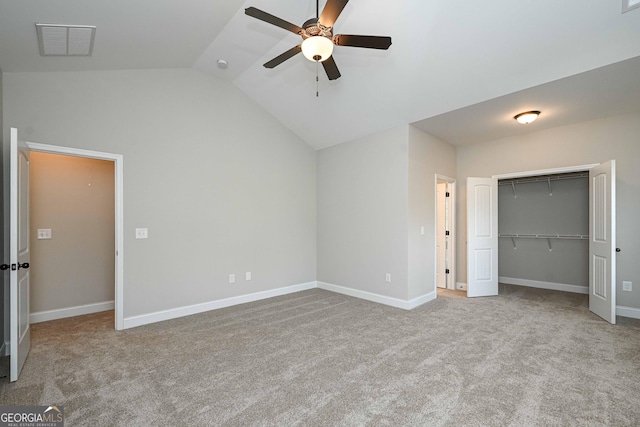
(19, 255)
(441, 238)
(482, 237)
(602, 242)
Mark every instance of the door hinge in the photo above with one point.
(446, 271)
(447, 194)
(446, 233)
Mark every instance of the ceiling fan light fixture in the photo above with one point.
(318, 38)
(317, 48)
(527, 117)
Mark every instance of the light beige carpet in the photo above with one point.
(528, 357)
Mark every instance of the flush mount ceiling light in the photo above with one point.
(527, 117)
(65, 40)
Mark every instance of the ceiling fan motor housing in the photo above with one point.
(312, 28)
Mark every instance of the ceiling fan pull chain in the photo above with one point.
(317, 84)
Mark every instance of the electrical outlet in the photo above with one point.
(142, 233)
(44, 233)
(627, 286)
(232, 278)
(387, 277)
(247, 275)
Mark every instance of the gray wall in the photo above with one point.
(74, 197)
(534, 211)
(221, 185)
(362, 213)
(578, 144)
(374, 195)
(428, 156)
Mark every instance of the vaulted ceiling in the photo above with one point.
(457, 69)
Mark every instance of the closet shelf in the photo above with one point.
(542, 178)
(548, 236)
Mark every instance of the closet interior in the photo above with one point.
(543, 227)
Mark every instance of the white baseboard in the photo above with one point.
(631, 312)
(159, 316)
(173, 313)
(545, 285)
(44, 316)
(417, 302)
(144, 319)
(380, 299)
(461, 286)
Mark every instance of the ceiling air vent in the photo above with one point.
(628, 5)
(65, 40)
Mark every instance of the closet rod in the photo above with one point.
(547, 236)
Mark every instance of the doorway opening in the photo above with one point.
(543, 226)
(117, 160)
(445, 233)
(483, 235)
(72, 229)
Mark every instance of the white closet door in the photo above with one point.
(602, 241)
(482, 237)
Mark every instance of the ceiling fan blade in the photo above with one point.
(274, 20)
(283, 57)
(331, 68)
(370, 42)
(331, 11)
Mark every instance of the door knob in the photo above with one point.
(23, 265)
(618, 249)
(5, 267)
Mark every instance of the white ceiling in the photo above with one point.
(607, 91)
(457, 69)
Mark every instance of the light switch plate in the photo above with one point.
(247, 275)
(142, 233)
(44, 233)
(627, 286)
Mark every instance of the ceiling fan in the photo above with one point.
(317, 37)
